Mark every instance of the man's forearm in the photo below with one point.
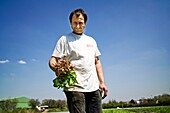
(99, 71)
(100, 74)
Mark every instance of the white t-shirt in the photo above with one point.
(81, 51)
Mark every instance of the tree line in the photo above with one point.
(160, 100)
(60, 105)
(10, 104)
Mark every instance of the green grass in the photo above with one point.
(161, 109)
(20, 111)
(117, 111)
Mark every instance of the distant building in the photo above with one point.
(138, 102)
(22, 102)
(42, 108)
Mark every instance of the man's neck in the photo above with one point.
(77, 33)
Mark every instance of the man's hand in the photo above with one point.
(104, 89)
(53, 63)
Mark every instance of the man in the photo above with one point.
(81, 50)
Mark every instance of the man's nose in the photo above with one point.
(78, 25)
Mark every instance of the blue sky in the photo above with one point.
(132, 35)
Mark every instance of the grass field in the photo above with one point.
(116, 111)
(160, 109)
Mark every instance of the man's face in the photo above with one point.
(78, 23)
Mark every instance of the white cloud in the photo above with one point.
(33, 60)
(4, 61)
(22, 62)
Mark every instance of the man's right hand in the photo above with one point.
(53, 63)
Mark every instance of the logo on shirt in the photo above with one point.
(89, 45)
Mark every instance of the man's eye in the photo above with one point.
(80, 23)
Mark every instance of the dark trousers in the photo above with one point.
(84, 102)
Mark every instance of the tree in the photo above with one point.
(8, 104)
(50, 102)
(132, 101)
(60, 104)
(34, 102)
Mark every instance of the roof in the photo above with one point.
(22, 102)
(23, 99)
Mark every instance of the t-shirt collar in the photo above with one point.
(76, 35)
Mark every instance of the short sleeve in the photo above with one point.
(97, 52)
(60, 48)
